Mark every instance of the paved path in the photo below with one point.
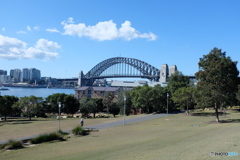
(105, 125)
(127, 121)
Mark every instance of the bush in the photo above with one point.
(12, 145)
(79, 131)
(63, 133)
(47, 138)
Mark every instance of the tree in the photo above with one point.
(29, 105)
(217, 80)
(114, 109)
(87, 106)
(238, 95)
(70, 104)
(107, 100)
(140, 97)
(157, 98)
(6, 105)
(183, 97)
(53, 100)
(149, 99)
(176, 81)
(128, 102)
(93, 106)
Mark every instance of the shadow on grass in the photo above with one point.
(230, 121)
(207, 114)
(14, 122)
(22, 122)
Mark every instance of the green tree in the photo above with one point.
(53, 100)
(238, 95)
(70, 104)
(86, 105)
(140, 97)
(114, 109)
(92, 105)
(6, 105)
(157, 98)
(176, 81)
(128, 102)
(149, 99)
(217, 80)
(107, 100)
(29, 105)
(183, 98)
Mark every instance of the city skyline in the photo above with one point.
(77, 35)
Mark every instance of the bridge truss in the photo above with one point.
(119, 67)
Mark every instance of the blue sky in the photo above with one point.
(62, 37)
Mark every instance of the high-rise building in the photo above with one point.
(16, 75)
(25, 74)
(11, 73)
(34, 74)
(3, 72)
(5, 79)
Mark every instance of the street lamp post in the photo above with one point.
(167, 103)
(124, 110)
(59, 108)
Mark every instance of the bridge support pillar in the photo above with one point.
(164, 73)
(80, 79)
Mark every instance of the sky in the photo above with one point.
(63, 37)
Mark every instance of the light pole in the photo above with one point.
(167, 103)
(59, 108)
(124, 108)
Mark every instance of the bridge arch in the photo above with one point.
(146, 70)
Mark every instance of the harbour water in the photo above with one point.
(38, 92)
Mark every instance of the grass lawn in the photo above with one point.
(13, 129)
(174, 137)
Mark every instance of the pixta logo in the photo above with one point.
(223, 154)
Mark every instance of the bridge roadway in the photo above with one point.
(76, 79)
(104, 125)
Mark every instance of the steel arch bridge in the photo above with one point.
(119, 67)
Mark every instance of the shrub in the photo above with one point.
(12, 145)
(47, 138)
(63, 133)
(79, 131)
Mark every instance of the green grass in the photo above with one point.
(47, 138)
(11, 145)
(13, 129)
(173, 137)
(79, 131)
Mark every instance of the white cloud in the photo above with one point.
(21, 32)
(70, 20)
(36, 28)
(106, 30)
(3, 29)
(12, 49)
(52, 30)
(47, 45)
(29, 28)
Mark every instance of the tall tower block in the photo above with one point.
(164, 73)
